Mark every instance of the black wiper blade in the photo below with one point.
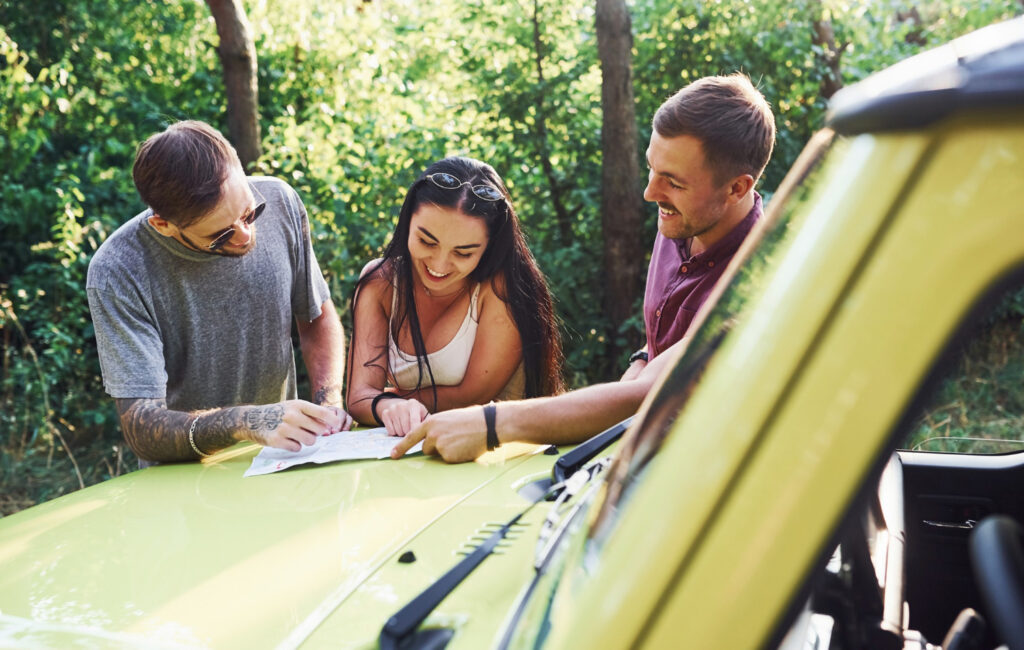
(570, 462)
(398, 630)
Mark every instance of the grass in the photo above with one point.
(979, 407)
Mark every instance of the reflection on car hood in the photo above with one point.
(193, 554)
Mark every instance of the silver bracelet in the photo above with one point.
(192, 440)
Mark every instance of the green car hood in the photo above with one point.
(196, 555)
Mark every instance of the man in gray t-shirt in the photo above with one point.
(193, 300)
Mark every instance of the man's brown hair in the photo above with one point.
(179, 172)
(730, 117)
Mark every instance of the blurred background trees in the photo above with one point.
(237, 54)
(355, 98)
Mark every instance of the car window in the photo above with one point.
(975, 404)
(746, 277)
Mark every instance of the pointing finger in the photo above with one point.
(408, 441)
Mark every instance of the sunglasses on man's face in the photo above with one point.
(247, 218)
(449, 182)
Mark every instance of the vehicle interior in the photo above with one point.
(930, 555)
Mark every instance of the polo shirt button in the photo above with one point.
(658, 313)
(683, 269)
(711, 265)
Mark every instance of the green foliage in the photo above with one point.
(356, 99)
(978, 407)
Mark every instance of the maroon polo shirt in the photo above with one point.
(679, 283)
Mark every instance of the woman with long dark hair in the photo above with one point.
(456, 312)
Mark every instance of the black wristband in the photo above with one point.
(492, 433)
(638, 356)
(373, 405)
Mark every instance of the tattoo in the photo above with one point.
(156, 433)
(330, 395)
(265, 418)
(148, 427)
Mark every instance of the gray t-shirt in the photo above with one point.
(203, 330)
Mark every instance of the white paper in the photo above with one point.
(347, 445)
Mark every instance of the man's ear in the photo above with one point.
(163, 226)
(739, 187)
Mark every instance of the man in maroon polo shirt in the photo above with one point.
(710, 143)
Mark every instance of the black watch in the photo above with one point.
(639, 354)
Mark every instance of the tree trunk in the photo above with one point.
(238, 59)
(621, 205)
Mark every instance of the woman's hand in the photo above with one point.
(400, 416)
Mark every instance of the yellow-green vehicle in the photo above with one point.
(831, 463)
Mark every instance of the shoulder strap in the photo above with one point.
(473, 311)
(394, 303)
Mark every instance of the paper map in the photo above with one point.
(347, 445)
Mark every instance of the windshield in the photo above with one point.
(746, 276)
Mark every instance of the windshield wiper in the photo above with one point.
(570, 462)
(398, 632)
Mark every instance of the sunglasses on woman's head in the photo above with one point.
(247, 219)
(449, 182)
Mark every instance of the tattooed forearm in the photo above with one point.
(218, 427)
(156, 433)
(329, 395)
(264, 418)
(150, 429)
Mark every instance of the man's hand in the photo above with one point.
(456, 436)
(292, 424)
(400, 416)
(158, 434)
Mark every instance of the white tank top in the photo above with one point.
(448, 364)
